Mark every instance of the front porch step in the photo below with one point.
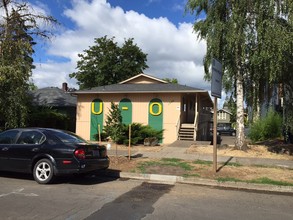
(186, 132)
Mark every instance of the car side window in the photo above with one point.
(31, 137)
(8, 137)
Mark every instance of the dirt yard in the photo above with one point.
(205, 170)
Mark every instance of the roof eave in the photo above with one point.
(132, 92)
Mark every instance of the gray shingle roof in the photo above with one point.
(54, 97)
(140, 88)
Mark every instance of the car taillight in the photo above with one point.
(80, 154)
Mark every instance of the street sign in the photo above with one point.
(216, 88)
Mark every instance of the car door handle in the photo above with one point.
(5, 149)
(35, 149)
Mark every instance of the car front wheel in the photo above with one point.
(43, 171)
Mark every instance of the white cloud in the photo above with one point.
(173, 51)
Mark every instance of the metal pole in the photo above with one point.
(215, 136)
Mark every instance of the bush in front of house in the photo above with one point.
(266, 128)
(48, 118)
(118, 132)
(139, 133)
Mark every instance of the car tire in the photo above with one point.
(233, 133)
(43, 171)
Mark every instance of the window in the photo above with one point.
(69, 137)
(8, 137)
(31, 137)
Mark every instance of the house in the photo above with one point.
(181, 111)
(60, 100)
(224, 116)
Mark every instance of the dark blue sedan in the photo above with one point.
(47, 153)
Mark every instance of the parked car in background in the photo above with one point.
(224, 129)
(47, 153)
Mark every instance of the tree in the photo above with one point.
(172, 81)
(240, 34)
(106, 63)
(17, 28)
(113, 127)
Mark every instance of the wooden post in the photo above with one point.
(215, 137)
(99, 132)
(129, 144)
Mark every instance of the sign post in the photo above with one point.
(216, 91)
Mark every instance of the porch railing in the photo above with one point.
(195, 124)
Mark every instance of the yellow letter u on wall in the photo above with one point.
(100, 109)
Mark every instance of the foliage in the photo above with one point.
(106, 63)
(114, 126)
(18, 25)
(172, 81)
(253, 41)
(47, 117)
(266, 128)
(138, 133)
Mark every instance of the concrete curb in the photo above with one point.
(170, 179)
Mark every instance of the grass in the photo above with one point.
(233, 164)
(187, 166)
(203, 162)
(165, 162)
(263, 180)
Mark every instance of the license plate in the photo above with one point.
(96, 153)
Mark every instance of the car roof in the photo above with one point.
(34, 128)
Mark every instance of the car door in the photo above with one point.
(7, 139)
(27, 145)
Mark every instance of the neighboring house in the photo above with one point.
(150, 101)
(58, 99)
(223, 116)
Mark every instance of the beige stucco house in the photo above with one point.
(181, 111)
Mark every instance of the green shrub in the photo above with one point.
(266, 128)
(138, 133)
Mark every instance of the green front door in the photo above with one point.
(156, 114)
(125, 107)
(97, 115)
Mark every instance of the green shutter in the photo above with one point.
(125, 107)
(156, 114)
(97, 116)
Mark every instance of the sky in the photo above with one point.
(161, 28)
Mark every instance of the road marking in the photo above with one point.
(18, 192)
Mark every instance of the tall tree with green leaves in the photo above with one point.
(18, 25)
(172, 81)
(107, 63)
(236, 35)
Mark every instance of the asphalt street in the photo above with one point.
(109, 198)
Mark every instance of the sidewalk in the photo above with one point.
(178, 150)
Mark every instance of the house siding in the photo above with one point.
(140, 111)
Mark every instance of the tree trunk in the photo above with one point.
(240, 136)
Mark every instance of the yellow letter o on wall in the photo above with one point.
(100, 109)
(159, 108)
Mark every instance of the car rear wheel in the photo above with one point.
(233, 133)
(43, 171)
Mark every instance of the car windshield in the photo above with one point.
(68, 137)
